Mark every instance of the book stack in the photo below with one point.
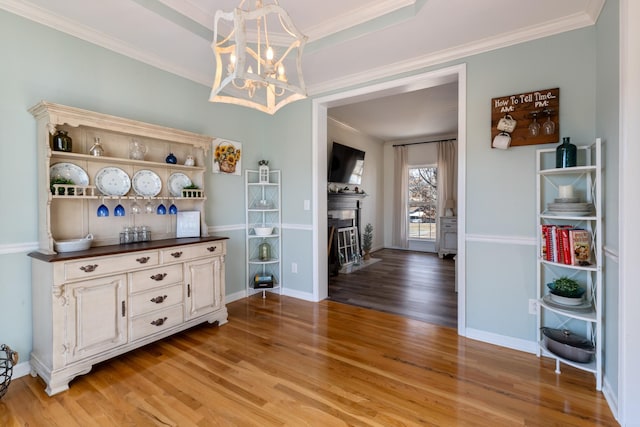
(565, 244)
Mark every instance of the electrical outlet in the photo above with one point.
(533, 306)
(294, 267)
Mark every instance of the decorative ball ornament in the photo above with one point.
(263, 172)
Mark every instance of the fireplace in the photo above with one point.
(343, 212)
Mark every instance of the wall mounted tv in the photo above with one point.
(347, 165)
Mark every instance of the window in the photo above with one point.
(423, 192)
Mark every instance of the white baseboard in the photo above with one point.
(298, 294)
(21, 369)
(611, 397)
(502, 340)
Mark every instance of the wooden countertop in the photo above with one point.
(122, 249)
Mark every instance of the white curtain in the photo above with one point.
(447, 179)
(399, 236)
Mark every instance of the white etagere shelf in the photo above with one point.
(263, 209)
(585, 321)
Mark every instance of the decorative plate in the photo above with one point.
(146, 183)
(177, 181)
(112, 181)
(69, 171)
(585, 305)
(569, 213)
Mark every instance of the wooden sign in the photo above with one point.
(536, 114)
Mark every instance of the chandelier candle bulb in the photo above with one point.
(565, 191)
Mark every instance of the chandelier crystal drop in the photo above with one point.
(258, 55)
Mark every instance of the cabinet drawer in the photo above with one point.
(156, 321)
(151, 278)
(449, 226)
(187, 252)
(90, 267)
(155, 299)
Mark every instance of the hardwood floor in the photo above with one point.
(418, 285)
(287, 362)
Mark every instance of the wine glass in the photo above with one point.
(548, 127)
(173, 209)
(119, 209)
(161, 210)
(103, 210)
(534, 126)
(135, 207)
(149, 207)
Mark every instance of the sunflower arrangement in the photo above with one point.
(227, 156)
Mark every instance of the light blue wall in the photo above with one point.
(501, 184)
(40, 63)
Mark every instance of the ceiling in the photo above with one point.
(349, 41)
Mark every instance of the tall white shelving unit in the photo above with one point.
(263, 208)
(586, 180)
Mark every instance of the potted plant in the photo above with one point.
(566, 291)
(367, 240)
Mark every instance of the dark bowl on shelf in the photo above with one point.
(568, 345)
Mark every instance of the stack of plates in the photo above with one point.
(570, 207)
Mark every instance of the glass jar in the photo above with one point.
(61, 141)
(264, 251)
(145, 234)
(126, 235)
(566, 154)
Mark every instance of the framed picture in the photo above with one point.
(227, 157)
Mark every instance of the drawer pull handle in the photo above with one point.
(159, 299)
(212, 248)
(143, 260)
(124, 311)
(89, 268)
(176, 254)
(159, 322)
(188, 290)
(158, 277)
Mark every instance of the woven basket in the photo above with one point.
(8, 358)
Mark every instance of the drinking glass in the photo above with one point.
(534, 126)
(161, 210)
(548, 127)
(119, 209)
(173, 209)
(103, 210)
(135, 207)
(149, 207)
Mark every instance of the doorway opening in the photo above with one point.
(319, 164)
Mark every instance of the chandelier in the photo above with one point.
(258, 62)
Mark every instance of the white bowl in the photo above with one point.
(263, 231)
(73, 244)
(566, 300)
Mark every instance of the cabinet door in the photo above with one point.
(204, 286)
(96, 316)
(450, 240)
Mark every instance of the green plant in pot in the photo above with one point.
(367, 240)
(63, 181)
(191, 187)
(566, 291)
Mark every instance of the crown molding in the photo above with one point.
(355, 17)
(572, 22)
(192, 11)
(73, 28)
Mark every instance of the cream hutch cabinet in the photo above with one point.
(94, 304)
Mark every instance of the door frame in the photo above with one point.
(319, 167)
